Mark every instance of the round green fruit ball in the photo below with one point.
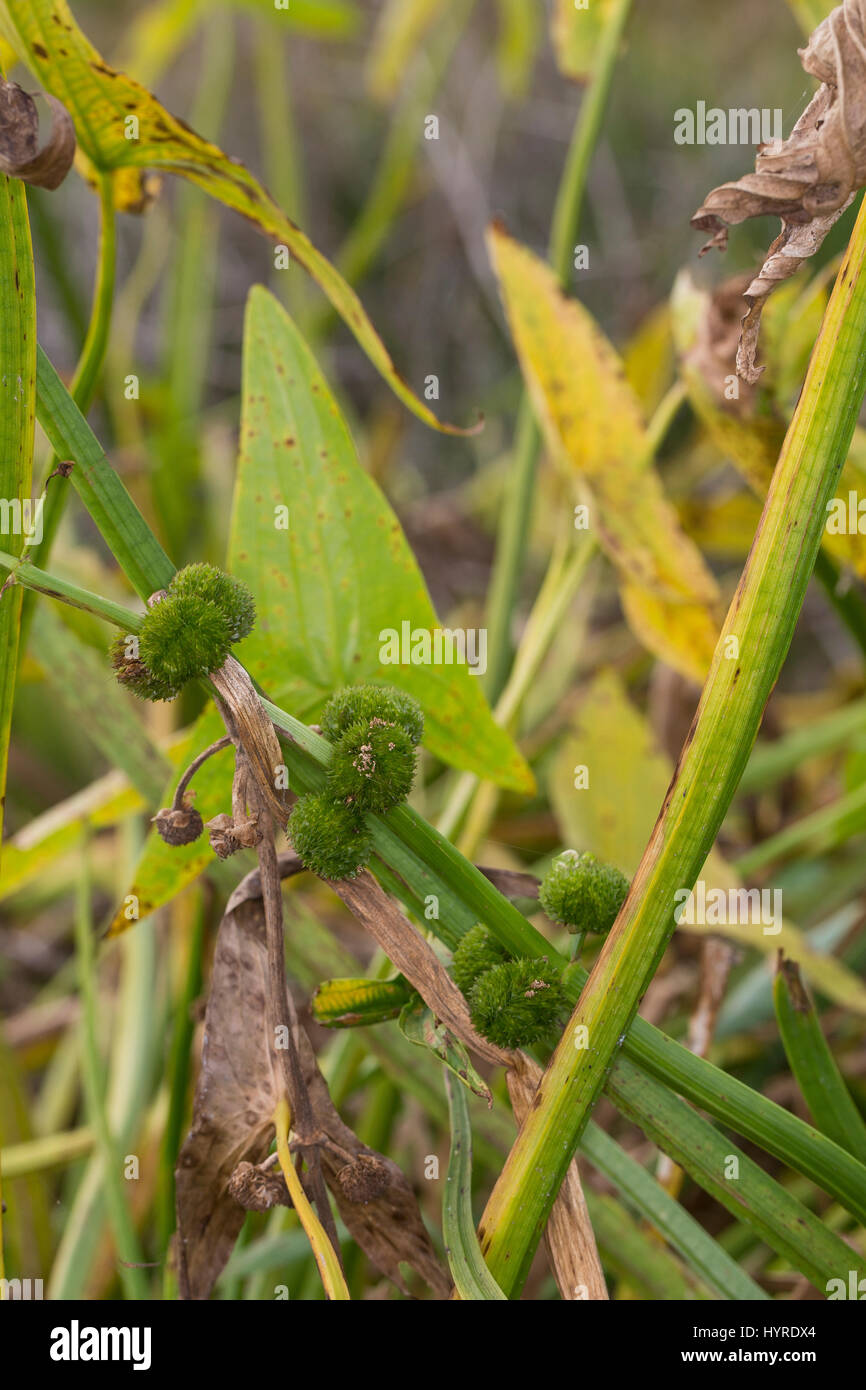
(329, 837)
(183, 636)
(374, 765)
(361, 703)
(517, 1003)
(582, 893)
(476, 953)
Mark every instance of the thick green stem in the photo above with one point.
(749, 656)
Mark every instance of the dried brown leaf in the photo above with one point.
(807, 180)
(233, 1124)
(20, 155)
(234, 1104)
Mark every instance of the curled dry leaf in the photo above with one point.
(20, 155)
(233, 1124)
(807, 180)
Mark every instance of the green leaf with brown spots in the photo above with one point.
(120, 125)
(325, 556)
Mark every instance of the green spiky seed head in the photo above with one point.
(582, 893)
(226, 593)
(374, 765)
(330, 838)
(133, 675)
(517, 1003)
(184, 636)
(361, 703)
(477, 952)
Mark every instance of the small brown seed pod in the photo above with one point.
(364, 1179)
(178, 826)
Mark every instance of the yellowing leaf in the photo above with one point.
(593, 425)
(119, 124)
(614, 815)
(334, 573)
(577, 34)
(57, 833)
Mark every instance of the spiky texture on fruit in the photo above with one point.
(132, 673)
(477, 952)
(517, 1003)
(330, 837)
(582, 893)
(361, 703)
(374, 765)
(182, 637)
(226, 593)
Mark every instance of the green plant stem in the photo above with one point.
(86, 373)
(36, 580)
(516, 517)
(178, 1069)
(762, 618)
(416, 862)
(126, 1238)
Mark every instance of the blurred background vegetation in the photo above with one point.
(340, 144)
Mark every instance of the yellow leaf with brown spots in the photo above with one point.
(594, 427)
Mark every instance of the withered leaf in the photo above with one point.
(234, 1103)
(807, 180)
(20, 155)
(233, 1122)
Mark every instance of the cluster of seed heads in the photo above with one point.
(513, 1003)
(375, 732)
(187, 632)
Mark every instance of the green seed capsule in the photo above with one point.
(582, 893)
(477, 952)
(329, 836)
(361, 703)
(517, 1003)
(374, 765)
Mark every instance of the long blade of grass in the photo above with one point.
(817, 1074)
(472, 1278)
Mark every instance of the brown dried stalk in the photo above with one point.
(807, 180)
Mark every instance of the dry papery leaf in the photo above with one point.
(20, 155)
(807, 180)
(233, 1112)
